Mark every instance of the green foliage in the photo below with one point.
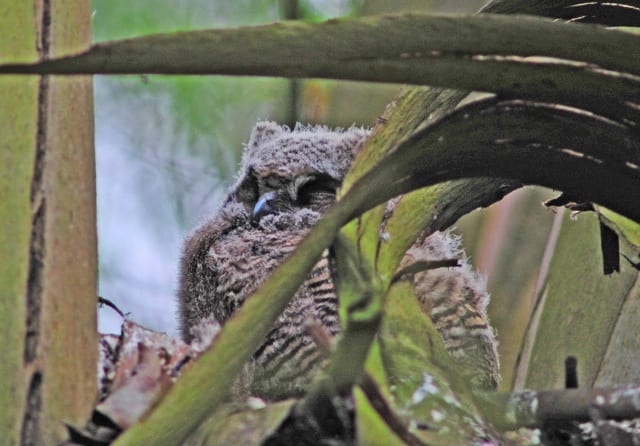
(546, 126)
(233, 424)
(372, 429)
(627, 229)
(424, 383)
(579, 312)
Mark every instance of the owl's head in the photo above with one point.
(293, 172)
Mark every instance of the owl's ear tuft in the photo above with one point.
(263, 132)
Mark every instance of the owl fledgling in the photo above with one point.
(288, 179)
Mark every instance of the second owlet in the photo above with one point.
(287, 181)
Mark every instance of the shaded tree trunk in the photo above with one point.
(48, 242)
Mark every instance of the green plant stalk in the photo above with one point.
(515, 56)
(281, 46)
(18, 132)
(361, 302)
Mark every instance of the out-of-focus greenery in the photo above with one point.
(169, 146)
(207, 116)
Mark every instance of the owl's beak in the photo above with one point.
(264, 206)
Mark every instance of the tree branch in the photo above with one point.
(529, 408)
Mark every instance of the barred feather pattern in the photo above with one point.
(287, 181)
(235, 265)
(289, 356)
(456, 300)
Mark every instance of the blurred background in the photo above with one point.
(168, 147)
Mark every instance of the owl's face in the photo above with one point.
(287, 181)
(271, 194)
(293, 173)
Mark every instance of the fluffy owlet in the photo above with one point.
(287, 181)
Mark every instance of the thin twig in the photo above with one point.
(424, 265)
(379, 403)
(114, 307)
